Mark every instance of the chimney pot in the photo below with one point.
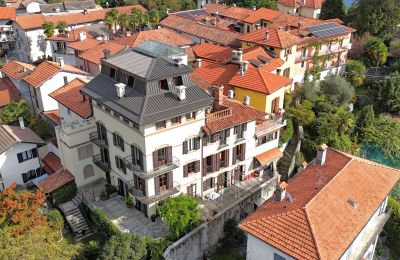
(218, 93)
(267, 35)
(82, 36)
(321, 154)
(21, 122)
(231, 93)
(281, 191)
(181, 92)
(120, 88)
(240, 55)
(198, 61)
(246, 100)
(107, 53)
(65, 80)
(61, 61)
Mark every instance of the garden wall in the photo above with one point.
(202, 240)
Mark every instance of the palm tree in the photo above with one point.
(143, 20)
(123, 21)
(10, 113)
(62, 27)
(112, 18)
(48, 28)
(109, 21)
(154, 17)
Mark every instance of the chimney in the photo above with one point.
(234, 55)
(86, 11)
(61, 61)
(198, 62)
(107, 53)
(321, 154)
(82, 36)
(246, 100)
(218, 93)
(233, 4)
(65, 80)
(240, 55)
(231, 93)
(120, 88)
(245, 66)
(281, 191)
(254, 7)
(181, 92)
(128, 33)
(267, 35)
(21, 122)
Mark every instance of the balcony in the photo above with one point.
(275, 122)
(133, 167)
(94, 137)
(218, 115)
(162, 195)
(152, 173)
(105, 166)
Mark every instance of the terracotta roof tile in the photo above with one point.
(262, 14)
(276, 38)
(55, 181)
(235, 12)
(269, 156)
(53, 115)
(8, 92)
(70, 97)
(215, 73)
(17, 70)
(35, 21)
(96, 53)
(313, 4)
(260, 80)
(8, 13)
(253, 53)
(160, 35)
(309, 226)
(48, 69)
(70, 36)
(213, 52)
(85, 44)
(52, 163)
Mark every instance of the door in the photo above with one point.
(121, 187)
(163, 179)
(105, 157)
(108, 178)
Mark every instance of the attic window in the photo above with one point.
(178, 81)
(353, 203)
(163, 84)
(131, 80)
(112, 73)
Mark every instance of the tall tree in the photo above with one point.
(124, 246)
(356, 72)
(337, 90)
(388, 98)
(61, 27)
(375, 52)
(123, 21)
(154, 17)
(333, 9)
(48, 28)
(378, 17)
(365, 119)
(112, 18)
(395, 48)
(136, 18)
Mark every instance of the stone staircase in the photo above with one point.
(285, 164)
(76, 220)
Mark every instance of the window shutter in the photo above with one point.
(155, 159)
(205, 185)
(204, 167)
(170, 180)
(114, 139)
(227, 132)
(245, 127)
(212, 182)
(217, 161)
(234, 155)
(197, 143)
(136, 181)
(34, 153)
(243, 155)
(144, 187)
(141, 159)
(169, 154)
(117, 162)
(196, 166)
(24, 178)
(185, 170)
(227, 158)
(157, 185)
(235, 130)
(122, 145)
(19, 155)
(277, 105)
(185, 147)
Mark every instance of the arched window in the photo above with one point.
(88, 171)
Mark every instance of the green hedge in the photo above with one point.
(287, 133)
(104, 224)
(64, 193)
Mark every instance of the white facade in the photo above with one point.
(259, 250)
(33, 7)
(11, 170)
(301, 11)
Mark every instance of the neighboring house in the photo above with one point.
(32, 44)
(25, 6)
(306, 8)
(51, 163)
(158, 134)
(7, 16)
(258, 19)
(8, 92)
(16, 71)
(251, 75)
(46, 78)
(73, 134)
(232, 13)
(19, 161)
(334, 209)
(68, 7)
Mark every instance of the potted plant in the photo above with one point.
(110, 189)
(129, 202)
(103, 195)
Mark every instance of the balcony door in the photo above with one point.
(162, 156)
(105, 157)
(101, 132)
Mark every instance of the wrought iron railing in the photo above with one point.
(105, 166)
(94, 137)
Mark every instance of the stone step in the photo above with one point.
(80, 237)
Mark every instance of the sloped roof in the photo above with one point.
(70, 36)
(262, 14)
(313, 4)
(56, 181)
(10, 135)
(213, 52)
(68, 6)
(255, 52)
(53, 116)
(309, 227)
(7, 13)
(17, 69)
(8, 92)
(276, 38)
(85, 44)
(216, 73)
(70, 97)
(48, 69)
(96, 53)
(52, 163)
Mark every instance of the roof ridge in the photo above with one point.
(312, 232)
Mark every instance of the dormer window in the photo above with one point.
(163, 84)
(178, 81)
(131, 80)
(112, 73)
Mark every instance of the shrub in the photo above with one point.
(56, 219)
(337, 90)
(129, 200)
(104, 224)
(124, 246)
(64, 193)
(91, 250)
(110, 189)
(288, 132)
(155, 247)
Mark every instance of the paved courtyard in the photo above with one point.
(130, 219)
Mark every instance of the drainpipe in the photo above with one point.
(201, 163)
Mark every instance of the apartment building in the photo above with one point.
(306, 8)
(334, 209)
(7, 15)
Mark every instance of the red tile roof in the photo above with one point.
(96, 53)
(56, 181)
(262, 14)
(17, 70)
(237, 13)
(70, 97)
(276, 38)
(215, 73)
(8, 92)
(85, 44)
(319, 223)
(70, 36)
(8, 13)
(313, 4)
(253, 53)
(48, 69)
(260, 80)
(160, 35)
(239, 114)
(213, 52)
(52, 163)
(53, 115)
(35, 21)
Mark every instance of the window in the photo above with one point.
(302, 64)
(266, 138)
(176, 120)
(191, 190)
(286, 72)
(178, 81)
(223, 159)
(163, 84)
(192, 144)
(137, 156)
(222, 137)
(248, 44)
(162, 154)
(275, 105)
(131, 81)
(163, 180)
(88, 171)
(112, 73)
(208, 184)
(118, 141)
(32, 174)
(278, 257)
(119, 163)
(85, 151)
(191, 167)
(209, 163)
(341, 43)
(191, 115)
(239, 130)
(304, 52)
(27, 155)
(160, 125)
(330, 46)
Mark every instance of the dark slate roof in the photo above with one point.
(144, 65)
(144, 109)
(51, 8)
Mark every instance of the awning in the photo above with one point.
(269, 156)
(37, 179)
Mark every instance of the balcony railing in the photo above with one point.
(105, 166)
(94, 137)
(152, 173)
(133, 167)
(218, 115)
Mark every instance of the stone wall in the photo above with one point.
(203, 240)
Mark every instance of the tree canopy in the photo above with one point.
(49, 28)
(375, 52)
(10, 113)
(333, 9)
(356, 70)
(337, 90)
(124, 246)
(388, 96)
(62, 27)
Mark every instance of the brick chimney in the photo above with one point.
(280, 192)
(321, 154)
(218, 93)
(107, 53)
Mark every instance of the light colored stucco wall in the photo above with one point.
(259, 250)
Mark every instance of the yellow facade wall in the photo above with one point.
(279, 93)
(257, 99)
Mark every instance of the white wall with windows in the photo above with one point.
(259, 250)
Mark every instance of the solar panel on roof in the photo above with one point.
(263, 59)
(199, 12)
(255, 63)
(186, 15)
(327, 30)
